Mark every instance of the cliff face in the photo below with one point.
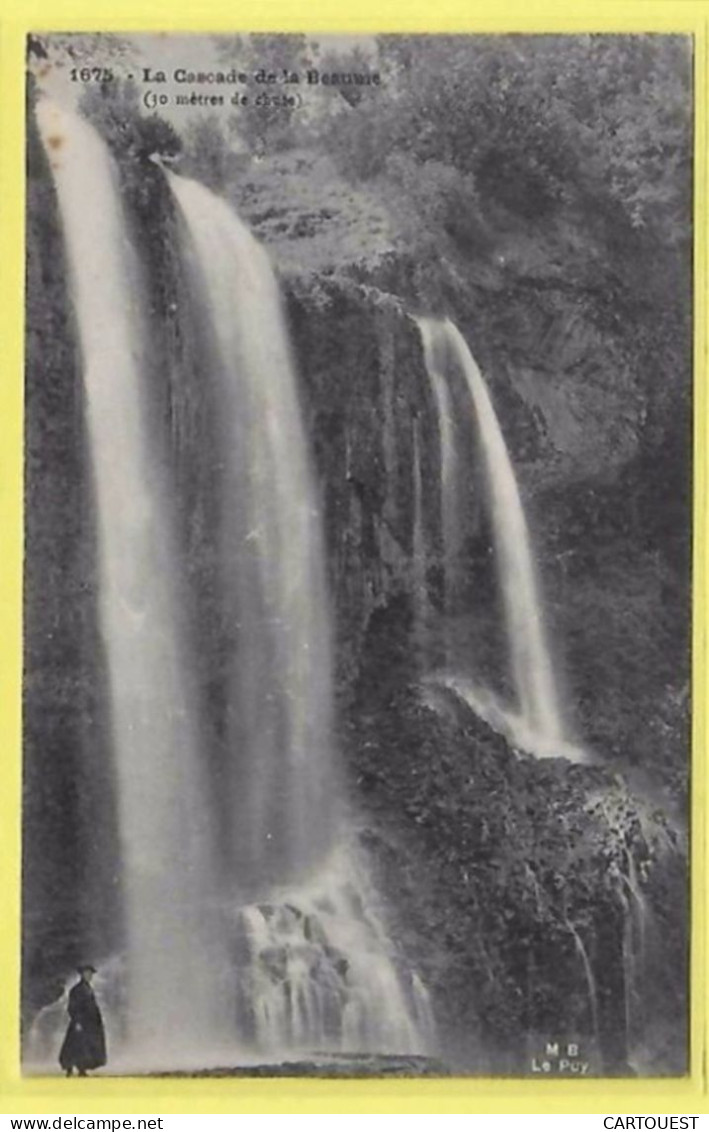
(443, 798)
(541, 308)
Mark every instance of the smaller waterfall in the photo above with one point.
(250, 925)
(537, 726)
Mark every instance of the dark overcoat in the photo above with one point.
(84, 1046)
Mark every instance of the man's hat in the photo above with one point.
(85, 967)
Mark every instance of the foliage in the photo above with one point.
(353, 61)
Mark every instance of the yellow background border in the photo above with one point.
(243, 1095)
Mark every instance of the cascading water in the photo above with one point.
(538, 727)
(590, 981)
(168, 871)
(318, 972)
(250, 921)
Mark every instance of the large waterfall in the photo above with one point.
(167, 855)
(250, 924)
(538, 724)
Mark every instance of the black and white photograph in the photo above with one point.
(357, 555)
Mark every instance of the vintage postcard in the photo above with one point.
(357, 562)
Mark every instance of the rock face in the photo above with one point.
(344, 1067)
(507, 888)
(540, 311)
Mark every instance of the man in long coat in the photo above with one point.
(84, 1046)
